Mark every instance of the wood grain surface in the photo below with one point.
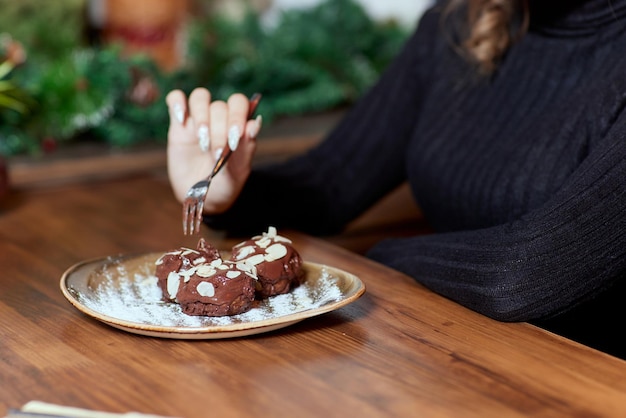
(400, 350)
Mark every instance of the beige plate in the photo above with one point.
(122, 292)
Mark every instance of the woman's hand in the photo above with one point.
(199, 130)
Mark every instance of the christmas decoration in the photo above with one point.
(69, 90)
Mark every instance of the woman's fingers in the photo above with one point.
(253, 127)
(214, 124)
(219, 127)
(181, 130)
(242, 160)
(197, 122)
(238, 105)
(177, 105)
(199, 105)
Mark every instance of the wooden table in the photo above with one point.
(399, 350)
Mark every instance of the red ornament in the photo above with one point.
(49, 145)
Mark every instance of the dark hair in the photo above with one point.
(488, 29)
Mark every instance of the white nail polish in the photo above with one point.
(203, 138)
(218, 153)
(178, 112)
(252, 132)
(233, 137)
(256, 127)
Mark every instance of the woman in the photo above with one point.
(507, 119)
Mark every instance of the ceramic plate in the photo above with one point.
(122, 292)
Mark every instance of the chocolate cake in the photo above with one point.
(217, 289)
(205, 284)
(181, 260)
(277, 264)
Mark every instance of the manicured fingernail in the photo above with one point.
(178, 112)
(233, 137)
(203, 137)
(255, 128)
(218, 153)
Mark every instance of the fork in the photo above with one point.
(194, 200)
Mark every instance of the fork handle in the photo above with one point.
(224, 156)
(254, 102)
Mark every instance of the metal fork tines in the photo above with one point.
(193, 205)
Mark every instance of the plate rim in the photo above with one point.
(208, 332)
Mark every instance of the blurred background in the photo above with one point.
(76, 72)
(97, 70)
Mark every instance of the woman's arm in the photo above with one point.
(546, 262)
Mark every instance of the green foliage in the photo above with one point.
(11, 96)
(312, 60)
(131, 122)
(52, 27)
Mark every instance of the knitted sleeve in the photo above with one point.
(550, 260)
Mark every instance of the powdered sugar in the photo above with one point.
(135, 297)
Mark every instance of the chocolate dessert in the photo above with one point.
(217, 289)
(182, 260)
(204, 284)
(278, 266)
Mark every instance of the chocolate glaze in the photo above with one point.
(205, 284)
(228, 295)
(275, 275)
(183, 259)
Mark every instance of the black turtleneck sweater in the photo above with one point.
(521, 175)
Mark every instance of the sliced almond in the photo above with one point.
(275, 252)
(206, 289)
